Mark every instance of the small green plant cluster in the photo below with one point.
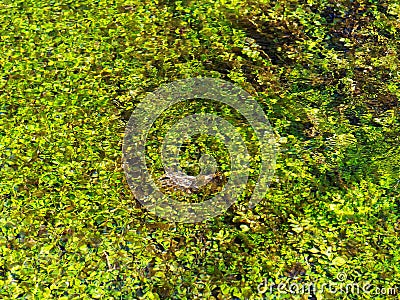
(327, 76)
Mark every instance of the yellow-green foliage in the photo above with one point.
(327, 76)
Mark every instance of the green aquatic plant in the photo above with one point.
(326, 74)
